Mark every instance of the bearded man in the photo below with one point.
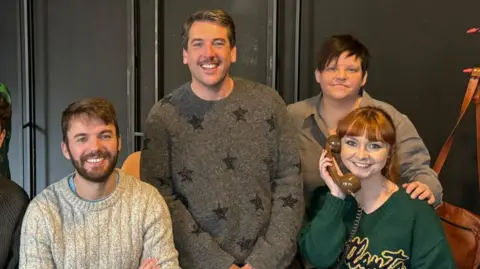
(96, 217)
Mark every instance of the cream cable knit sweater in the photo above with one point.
(60, 230)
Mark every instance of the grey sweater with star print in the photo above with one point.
(229, 171)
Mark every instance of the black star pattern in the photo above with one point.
(186, 174)
(289, 201)
(221, 212)
(182, 199)
(240, 114)
(196, 230)
(229, 162)
(257, 202)
(196, 122)
(145, 143)
(271, 122)
(245, 244)
(274, 186)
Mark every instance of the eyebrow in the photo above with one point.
(195, 40)
(220, 39)
(215, 39)
(79, 135)
(106, 131)
(101, 133)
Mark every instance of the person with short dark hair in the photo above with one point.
(13, 201)
(222, 151)
(98, 216)
(341, 72)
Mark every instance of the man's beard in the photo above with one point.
(97, 175)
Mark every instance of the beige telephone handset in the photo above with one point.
(348, 182)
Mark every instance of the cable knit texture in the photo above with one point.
(13, 203)
(61, 230)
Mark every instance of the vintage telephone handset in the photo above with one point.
(348, 182)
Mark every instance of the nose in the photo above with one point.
(208, 50)
(362, 153)
(340, 74)
(95, 144)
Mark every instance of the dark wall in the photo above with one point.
(80, 52)
(419, 49)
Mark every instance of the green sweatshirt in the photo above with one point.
(402, 233)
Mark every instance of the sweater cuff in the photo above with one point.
(335, 207)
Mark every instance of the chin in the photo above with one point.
(97, 179)
(340, 94)
(210, 81)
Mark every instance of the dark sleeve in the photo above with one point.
(321, 241)
(15, 249)
(12, 217)
(430, 248)
(277, 247)
(199, 250)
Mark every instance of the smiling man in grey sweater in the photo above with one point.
(97, 217)
(222, 151)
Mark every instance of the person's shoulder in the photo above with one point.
(140, 189)
(298, 109)
(391, 110)
(52, 194)
(170, 99)
(415, 206)
(8, 187)
(12, 193)
(48, 202)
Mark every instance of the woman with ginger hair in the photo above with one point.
(378, 226)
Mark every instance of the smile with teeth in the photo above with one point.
(361, 165)
(209, 66)
(95, 160)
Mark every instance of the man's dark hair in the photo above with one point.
(97, 108)
(217, 16)
(335, 45)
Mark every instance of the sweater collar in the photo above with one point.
(85, 205)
